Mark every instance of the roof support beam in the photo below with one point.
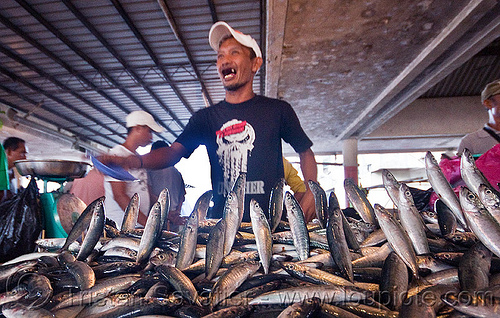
(213, 12)
(178, 35)
(152, 54)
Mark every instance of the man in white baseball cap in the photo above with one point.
(142, 118)
(140, 127)
(482, 140)
(242, 133)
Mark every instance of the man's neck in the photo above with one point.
(237, 97)
(130, 145)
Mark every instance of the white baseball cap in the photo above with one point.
(221, 29)
(491, 89)
(142, 118)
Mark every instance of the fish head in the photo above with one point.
(388, 177)
(488, 196)
(468, 200)
(466, 159)
(405, 194)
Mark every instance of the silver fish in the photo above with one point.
(232, 219)
(337, 243)
(491, 200)
(471, 175)
(411, 220)
(393, 281)
(82, 222)
(373, 259)
(359, 201)
(122, 241)
(474, 268)
(15, 310)
(230, 281)
(164, 200)
(202, 205)
(167, 257)
(314, 275)
(239, 189)
(326, 293)
(447, 276)
(300, 235)
(262, 234)
(391, 185)
(350, 237)
(307, 308)
(189, 238)
(99, 291)
(276, 204)
(397, 238)
(446, 219)
(374, 238)
(151, 233)
(179, 281)
(320, 202)
(83, 274)
(480, 221)
(94, 231)
(131, 214)
(215, 249)
(327, 310)
(39, 290)
(106, 304)
(442, 187)
(17, 293)
(474, 305)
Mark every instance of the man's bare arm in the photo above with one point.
(156, 159)
(310, 172)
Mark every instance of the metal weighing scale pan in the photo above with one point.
(52, 169)
(55, 204)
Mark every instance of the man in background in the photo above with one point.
(140, 125)
(484, 139)
(15, 149)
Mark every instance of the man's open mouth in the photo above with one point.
(228, 73)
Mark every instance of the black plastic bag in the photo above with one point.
(20, 223)
(421, 198)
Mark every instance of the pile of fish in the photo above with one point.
(388, 263)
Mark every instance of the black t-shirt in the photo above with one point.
(245, 137)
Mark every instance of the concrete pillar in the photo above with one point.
(350, 157)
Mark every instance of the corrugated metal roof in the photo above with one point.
(470, 78)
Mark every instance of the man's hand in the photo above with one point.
(308, 206)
